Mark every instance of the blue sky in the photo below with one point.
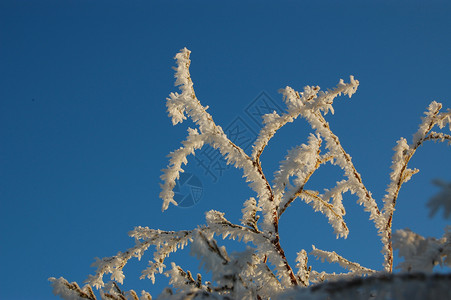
(84, 131)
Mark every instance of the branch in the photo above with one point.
(250, 217)
(312, 98)
(301, 161)
(401, 174)
(304, 270)
(193, 141)
(68, 290)
(329, 210)
(115, 264)
(273, 122)
(166, 242)
(187, 103)
(438, 137)
(218, 224)
(343, 159)
(333, 257)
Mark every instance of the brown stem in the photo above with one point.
(301, 188)
(276, 240)
(400, 181)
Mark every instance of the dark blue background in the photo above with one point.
(84, 131)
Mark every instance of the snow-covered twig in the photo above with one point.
(333, 257)
(401, 173)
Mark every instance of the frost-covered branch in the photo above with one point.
(304, 270)
(333, 213)
(262, 270)
(310, 99)
(333, 257)
(273, 122)
(422, 254)
(165, 242)
(177, 158)
(343, 159)
(311, 105)
(114, 265)
(218, 224)
(266, 244)
(440, 137)
(250, 217)
(401, 173)
(66, 290)
(187, 103)
(301, 162)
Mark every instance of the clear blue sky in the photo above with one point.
(84, 131)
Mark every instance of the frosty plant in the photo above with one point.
(263, 270)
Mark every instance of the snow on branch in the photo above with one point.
(181, 279)
(422, 254)
(114, 265)
(165, 242)
(187, 103)
(304, 270)
(72, 291)
(302, 162)
(333, 214)
(250, 217)
(333, 257)
(401, 173)
(404, 152)
(311, 105)
(177, 158)
(218, 224)
(263, 270)
(344, 161)
(312, 99)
